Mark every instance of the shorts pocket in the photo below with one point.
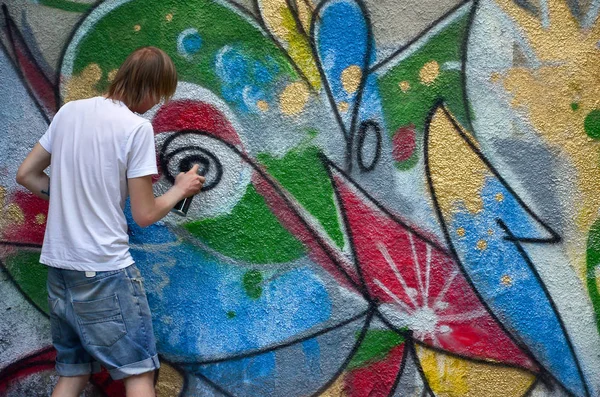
(54, 320)
(100, 321)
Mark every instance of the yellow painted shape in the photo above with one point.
(457, 173)
(569, 73)
(351, 77)
(169, 17)
(262, 105)
(112, 74)
(137, 28)
(454, 377)
(294, 98)
(170, 381)
(429, 72)
(305, 11)
(404, 86)
(279, 19)
(336, 389)
(83, 85)
(40, 219)
(482, 245)
(343, 107)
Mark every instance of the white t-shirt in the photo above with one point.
(96, 144)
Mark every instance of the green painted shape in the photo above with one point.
(231, 314)
(574, 106)
(592, 263)
(66, 5)
(252, 282)
(375, 347)
(250, 233)
(113, 37)
(302, 173)
(30, 275)
(412, 107)
(591, 124)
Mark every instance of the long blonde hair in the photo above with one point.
(148, 72)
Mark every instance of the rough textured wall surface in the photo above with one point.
(402, 197)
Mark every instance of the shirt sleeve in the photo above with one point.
(46, 139)
(141, 153)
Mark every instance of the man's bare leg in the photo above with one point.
(140, 385)
(70, 386)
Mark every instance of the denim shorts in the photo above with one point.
(101, 319)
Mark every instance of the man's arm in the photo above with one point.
(147, 209)
(31, 173)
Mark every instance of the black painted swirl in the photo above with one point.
(182, 158)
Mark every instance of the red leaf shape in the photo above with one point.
(418, 285)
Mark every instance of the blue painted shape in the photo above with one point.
(246, 80)
(190, 293)
(341, 36)
(507, 283)
(192, 43)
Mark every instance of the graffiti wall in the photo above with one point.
(402, 196)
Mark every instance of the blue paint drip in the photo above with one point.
(506, 282)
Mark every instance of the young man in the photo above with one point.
(101, 152)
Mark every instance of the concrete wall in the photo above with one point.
(402, 196)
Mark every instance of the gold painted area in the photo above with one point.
(280, 20)
(170, 381)
(83, 85)
(169, 17)
(14, 214)
(40, 219)
(429, 72)
(506, 280)
(294, 98)
(460, 231)
(137, 28)
(404, 86)
(343, 107)
(457, 173)
(262, 105)
(499, 197)
(336, 389)
(112, 74)
(569, 73)
(482, 245)
(351, 78)
(453, 377)
(305, 12)
(490, 232)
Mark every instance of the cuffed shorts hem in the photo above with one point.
(140, 367)
(77, 369)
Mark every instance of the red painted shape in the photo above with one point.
(194, 115)
(418, 285)
(44, 360)
(35, 211)
(376, 379)
(404, 143)
(42, 88)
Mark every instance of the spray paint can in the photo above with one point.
(182, 207)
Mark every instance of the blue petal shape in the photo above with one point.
(341, 35)
(505, 279)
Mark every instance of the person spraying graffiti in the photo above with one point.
(101, 151)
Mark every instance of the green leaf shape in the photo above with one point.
(302, 173)
(30, 275)
(250, 233)
(375, 347)
(157, 23)
(412, 107)
(592, 264)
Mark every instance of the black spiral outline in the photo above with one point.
(165, 157)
